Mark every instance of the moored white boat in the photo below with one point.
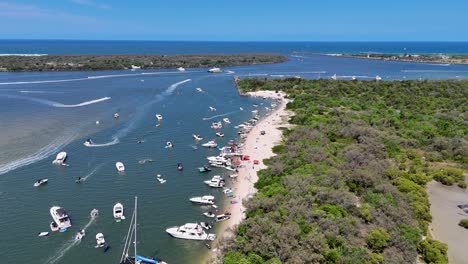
(199, 90)
(159, 117)
(206, 199)
(60, 158)
(181, 69)
(60, 217)
(190, 231)
(40, 182)
(120, 166)
(100, 241)
(210, 144)
(216, 182)
(197, 137)
(216, 125)
(209, 214)
(226, 120)
(118, 212)
(222, 217)
(378, 78)
(219, 134)
(116, 115)
(169, 144)
(160, 179)
(212, 109)
(214, 70)
(41, 234)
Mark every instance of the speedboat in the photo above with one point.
(169, 144)
(40, 182)
(206, 225)
(206, 199)
(160, 179)
(159, 117)
(210, 144)
(216, 182)
(240, 108)
(60, 158)
(199, 90)
(212, 109)
(79, 235)
(94, 213)
(88, 142)
(181, 69)
(118, 211)
(226, 120)
(116, 115)
(209, 214)
(222, 217)
(197, 137)
(180, 167)
(216, 125)
(255, 111)
(60, 217)
(100, 241)
(217, 159)
(120, 167)
(191, 231)
(204, 169)
(219, 134)
(214, 70)
(41, 234)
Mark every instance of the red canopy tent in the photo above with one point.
(256, 162)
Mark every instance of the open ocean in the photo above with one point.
(47, 112)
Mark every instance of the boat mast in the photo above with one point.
(135, 228)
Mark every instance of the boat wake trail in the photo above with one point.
(40, 154)
(141, 111)
(68, 245)
(91, 173)
(221, 115)
(57, 104)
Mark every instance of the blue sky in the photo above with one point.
(236, 20)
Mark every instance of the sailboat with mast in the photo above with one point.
(130, 239)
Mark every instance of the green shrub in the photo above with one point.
(233, 257)
(463, 223)
(333, 210)
(378, 239)
(433, 251)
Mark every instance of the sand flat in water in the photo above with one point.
(446, 215)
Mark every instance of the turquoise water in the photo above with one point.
(40, 117)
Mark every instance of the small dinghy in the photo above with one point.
(209, 214)
(79, 235)
(54, 227)
(118, 212)
(94, 213)
(41, 234)
(204, 169)
(226, 120)
(212, 109)
(160, 179)
(222, 217)
(210, 144)
(40, 182)
(169, 144)
(120, 166)
(206, 225)
(197, 137)
(199, 90)
(180, 167)
(219, 134)
(240, 108)
(100, 241)
(159, 117)
(116, 115)
(181, 69)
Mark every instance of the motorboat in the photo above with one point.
(134, 67)
(232, 176)
(227, 190)
(88, 142)
(94, 213)
(216, 182)
(60, 217)
(206, 199)
(159, 117)
(214, 70)
(212, 109)
(40, 182)
(132, 242)
(118, 212)
(181, 69)
(378, 78)
(219, 134)
(79, 235)
(197, 137)
(190, 231)
(116, 115)
(206, 225)
(255, 105)
(169, 144)
(222, 217)
(209, 214)
(229, 168)
(41, 234)
(254, 111)
(199, 90)
(54, 227)
(160, 179)
(100, 241)
(240, 108)
(60, 158)
(180, 167)
(216, 125)
(226, 120)
(210, 144)
(204, 169)
(217, 159)
(334, 77)
(120, 166)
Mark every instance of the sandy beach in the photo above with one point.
(258, 147)
(445, 218)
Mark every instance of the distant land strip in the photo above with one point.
(419, 58)
(20, 63)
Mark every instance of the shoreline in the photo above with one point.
(258, 147)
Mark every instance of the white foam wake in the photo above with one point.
(91, 173)
(39, 155)
(221, 115)
(68, 245)
(56, 104)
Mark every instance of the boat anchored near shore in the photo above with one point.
(190, 231)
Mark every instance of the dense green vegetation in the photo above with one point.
(464, 223)
(120, 62)
(348, 182)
